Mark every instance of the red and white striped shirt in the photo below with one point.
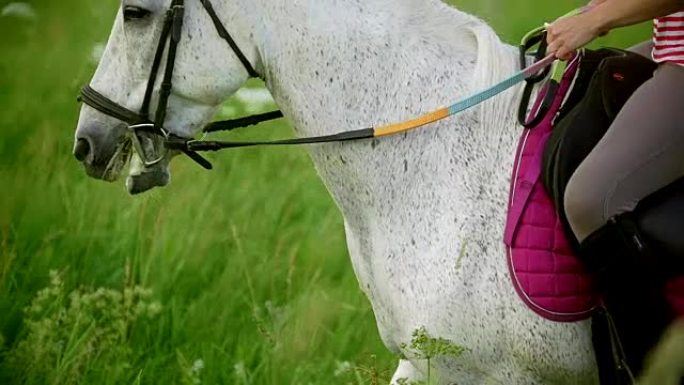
(668, 39)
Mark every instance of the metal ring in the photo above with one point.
(138, 147)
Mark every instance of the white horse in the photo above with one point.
(424, 211)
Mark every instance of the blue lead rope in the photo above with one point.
(502, 86)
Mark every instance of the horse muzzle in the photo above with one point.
(105, 152)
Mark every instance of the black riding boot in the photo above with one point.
(632, 288)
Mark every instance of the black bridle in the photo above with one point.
(140, 123)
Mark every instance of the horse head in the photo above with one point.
(203, 72)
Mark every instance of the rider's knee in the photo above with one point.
(583, 205)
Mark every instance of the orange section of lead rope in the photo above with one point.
(411, 124)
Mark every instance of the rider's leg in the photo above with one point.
(642, 152)
(631, 287)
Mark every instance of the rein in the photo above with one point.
(140, 124)
(372, 132)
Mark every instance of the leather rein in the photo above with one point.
(140, 124)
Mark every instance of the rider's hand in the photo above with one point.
(568, 34)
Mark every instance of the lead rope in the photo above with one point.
(373, 132)
(533, 73)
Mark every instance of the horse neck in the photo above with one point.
(335, 66)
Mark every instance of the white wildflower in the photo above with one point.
(240, 371)
(198, 365)
(342, 368)
(21, 10)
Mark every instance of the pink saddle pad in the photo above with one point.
(546, 273)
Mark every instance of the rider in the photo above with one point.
(641, 152)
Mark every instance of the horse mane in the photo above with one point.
(496, 61)
(421, 23)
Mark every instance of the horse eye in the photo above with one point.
(134, 13)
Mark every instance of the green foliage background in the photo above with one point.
(246, 266)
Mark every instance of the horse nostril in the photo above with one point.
(82, 149)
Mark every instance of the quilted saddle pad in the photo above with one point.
(546, 273)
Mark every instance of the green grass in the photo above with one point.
(248, 261)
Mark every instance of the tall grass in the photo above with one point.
(245, 266)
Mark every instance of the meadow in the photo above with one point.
(235, 276)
